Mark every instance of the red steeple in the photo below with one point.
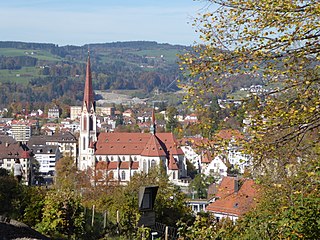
(88, 98)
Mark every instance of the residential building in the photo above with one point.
(54, 112)
(47, 156)
(10, 150)
(234, 198)
(65, 141)
(21, 131)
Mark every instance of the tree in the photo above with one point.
(172, 121)
(66, 173)
(169, 206)
(278, 42)
(200, 184)
(62, 215)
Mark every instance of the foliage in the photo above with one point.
(276, 42)
(172, 121)
(9, 195)
(204, 226)
(58, 72)
(66, 173)
(62, 215)
(31, 205)
(169, 206)
(200, 185)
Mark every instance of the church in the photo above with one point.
(118, 156)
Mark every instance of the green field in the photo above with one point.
(39, 54)
(22, 75)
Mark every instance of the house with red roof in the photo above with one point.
(234, 197)
(10, 150)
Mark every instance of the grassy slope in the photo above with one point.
(26, 73)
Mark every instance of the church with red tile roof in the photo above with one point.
(118, 155)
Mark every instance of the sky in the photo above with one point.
(79, 22)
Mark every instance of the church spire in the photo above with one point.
(153, 123)
(88, 98)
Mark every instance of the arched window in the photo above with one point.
(123, 158)
(111, 158)
(144, 169)
(123, 175)
(153, 163)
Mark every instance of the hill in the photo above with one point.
(42, 72)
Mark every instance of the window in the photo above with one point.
(123, 158)
(144, 169)
(174, 175)
(123, 175)
(153, 163)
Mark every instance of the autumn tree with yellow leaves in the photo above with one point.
(277, 42)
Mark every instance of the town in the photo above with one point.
(214, 138)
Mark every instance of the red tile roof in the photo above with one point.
(112, 165)
(231, 202)
(103, 165)
(9, 148)
(228, 134)
(136, 144)
(153, 148)
(172, 163)
(206, 157)
(124, 165)
(135, 165)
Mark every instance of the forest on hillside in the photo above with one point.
(40, 72)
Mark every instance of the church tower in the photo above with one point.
(88, 124)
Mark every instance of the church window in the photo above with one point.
(84, 143)
(123, 175)
(153, 163)
(144, 166)
(123, 158)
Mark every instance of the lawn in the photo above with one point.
(39, 54)
(22, 75)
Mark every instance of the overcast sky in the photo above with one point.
(77, 22)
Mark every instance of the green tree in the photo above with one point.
(9, 194)
(62, 215)
(200, 184)
(169, 206)
(172, 121)
(66, 173)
